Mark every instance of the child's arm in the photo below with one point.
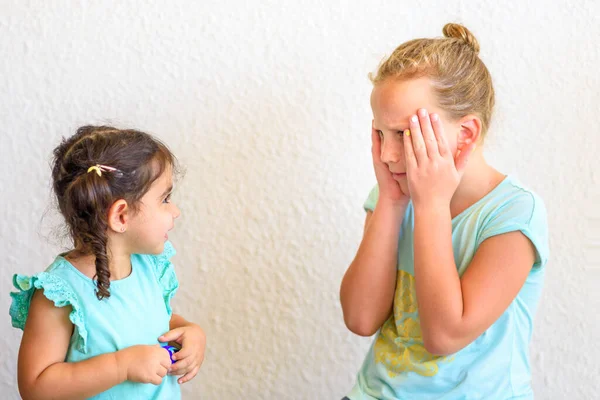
(455, 311)
(368, 287)
(44, 374)
(367, 290)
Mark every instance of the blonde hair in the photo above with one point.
(461, 81)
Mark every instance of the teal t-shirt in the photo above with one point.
(137, 312)
(496, 365)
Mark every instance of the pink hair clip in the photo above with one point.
(101, 168)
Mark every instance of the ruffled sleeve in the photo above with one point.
(165, 274)
(56, 290)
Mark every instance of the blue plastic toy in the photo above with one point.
(172, 350)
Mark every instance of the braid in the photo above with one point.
(132, 161)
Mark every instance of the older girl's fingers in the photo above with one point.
(418, 145)
(409, 154)
(428, 133)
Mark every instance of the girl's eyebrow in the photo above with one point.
(392, 129)
(398, 127)
(167, 191)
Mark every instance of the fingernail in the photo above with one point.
(407, 132)
(435, 117)
(422, 112)
(414, 118)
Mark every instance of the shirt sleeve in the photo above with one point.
(525, 212)
(371, 201)
(165, 274)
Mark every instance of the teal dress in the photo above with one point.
(138, 311)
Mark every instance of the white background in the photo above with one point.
(266, 103)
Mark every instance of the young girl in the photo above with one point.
(94, 322)
(451, 265)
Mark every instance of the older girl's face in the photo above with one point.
(393, 103)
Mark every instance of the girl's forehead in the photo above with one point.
(411, 93)
(164, 181)
(393, 102)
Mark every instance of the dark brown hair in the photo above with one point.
(84, 199)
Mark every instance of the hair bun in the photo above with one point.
(452, 30)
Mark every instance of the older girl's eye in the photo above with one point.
(401, 133)
(167, 199)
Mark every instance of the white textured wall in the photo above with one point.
(266, 103)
